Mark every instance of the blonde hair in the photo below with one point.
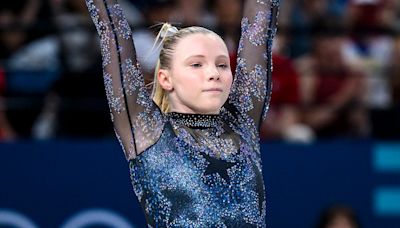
(169, 36)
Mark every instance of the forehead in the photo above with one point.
(200, 43)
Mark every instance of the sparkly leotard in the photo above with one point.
(191, 170)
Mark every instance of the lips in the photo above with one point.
(213, 90)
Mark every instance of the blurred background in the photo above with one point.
(330, 143)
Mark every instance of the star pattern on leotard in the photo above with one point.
(217, 166)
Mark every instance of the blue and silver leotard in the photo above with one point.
(191, 170)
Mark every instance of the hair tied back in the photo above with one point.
(167, 30)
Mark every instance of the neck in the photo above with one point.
(194, 113)
(195, 120)
(187, 110)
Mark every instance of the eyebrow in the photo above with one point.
(202, 56)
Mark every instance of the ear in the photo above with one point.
(164, 78)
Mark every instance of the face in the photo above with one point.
(340, 222)
(228, 12)
(200, 77)
(329, 51)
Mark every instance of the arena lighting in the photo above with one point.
(82, 219)
(14, 219)
(360, 2)
(96, 217)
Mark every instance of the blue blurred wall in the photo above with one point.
(62, 183)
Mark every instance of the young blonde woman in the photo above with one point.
(193, 145)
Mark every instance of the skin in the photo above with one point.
(200, 78)
(340, 222)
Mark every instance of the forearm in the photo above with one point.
(251, 90)
(132, 110)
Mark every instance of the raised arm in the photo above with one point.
(137, 120)
(251, 89)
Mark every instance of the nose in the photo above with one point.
(213, 73)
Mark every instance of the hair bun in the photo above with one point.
(167, 30)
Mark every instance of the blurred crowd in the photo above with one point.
(335, 72)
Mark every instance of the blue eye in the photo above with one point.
(196, 65)
(223, 66)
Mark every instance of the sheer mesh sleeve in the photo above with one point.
(137, 120)
(251, 89)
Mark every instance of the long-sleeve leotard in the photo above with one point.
(138, 122)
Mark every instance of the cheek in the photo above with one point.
(228, 80)
(187, 85)
(231, 79)
(182, 78)
(191, 83)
